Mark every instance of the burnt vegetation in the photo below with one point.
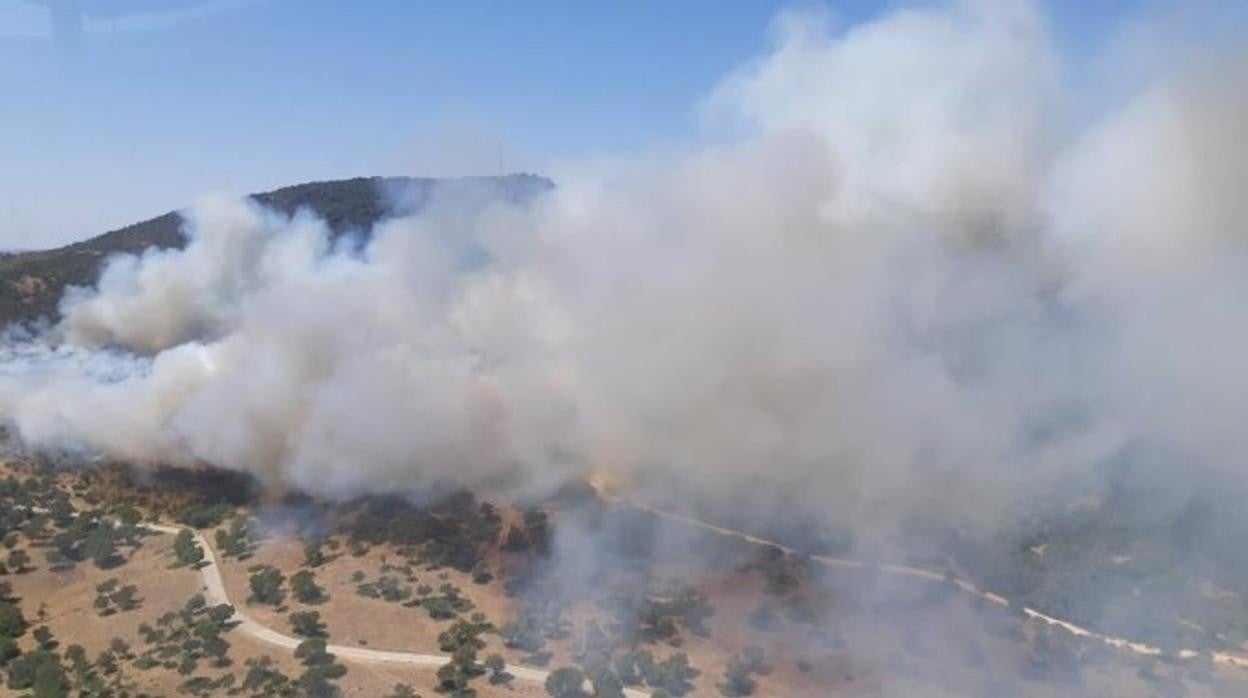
(455, 532)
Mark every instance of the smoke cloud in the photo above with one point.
(922, 279)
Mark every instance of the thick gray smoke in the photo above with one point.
(918, 280)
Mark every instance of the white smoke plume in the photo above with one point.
(922, 279)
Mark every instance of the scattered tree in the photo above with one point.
(497, 667)
(566, 682)
(39, 671)
(101, 546)
(203, 516)
(235, 541)
(12, 624)
(186, 550)
(266, 586)
(307, 624)
(18, 561)
(303, 585)
(313, 555)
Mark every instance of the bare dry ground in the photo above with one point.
(936, 645)
(63, 602)
(68, 599)
(843, 633)
(352, 619)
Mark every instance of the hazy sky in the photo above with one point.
(116, 110)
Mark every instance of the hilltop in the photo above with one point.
(31, 283)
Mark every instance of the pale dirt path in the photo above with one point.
(215, 594)
(1223, 658)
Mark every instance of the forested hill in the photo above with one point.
(31, 283)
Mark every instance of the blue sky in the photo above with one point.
(132, 107)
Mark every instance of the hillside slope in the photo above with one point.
(31, 283)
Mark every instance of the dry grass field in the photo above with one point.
(833, 633)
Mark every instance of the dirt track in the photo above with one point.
(1223, 658)
(215, 593)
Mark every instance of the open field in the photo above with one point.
(851, 631)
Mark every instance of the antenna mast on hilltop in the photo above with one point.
(500, 158)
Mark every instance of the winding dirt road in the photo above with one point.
(1223, 658)
(215, 593)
